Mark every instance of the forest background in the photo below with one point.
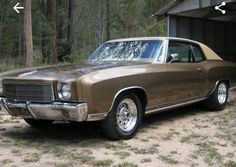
(59, 31)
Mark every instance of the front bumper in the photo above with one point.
(48, 111)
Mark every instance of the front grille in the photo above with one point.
(36, 91)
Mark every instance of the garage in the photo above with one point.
(199, 20)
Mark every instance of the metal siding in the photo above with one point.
(197, 31)
(210, 34)
(220, 36)
(172, 26)
(184, 28)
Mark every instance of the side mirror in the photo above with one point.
(174, 57)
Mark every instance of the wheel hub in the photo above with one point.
(126, 115)
(222, 93)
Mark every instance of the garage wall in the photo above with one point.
(220, 36)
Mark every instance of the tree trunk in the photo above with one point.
(52, 18)
(43, 34)
(108, 23)
(28, 33)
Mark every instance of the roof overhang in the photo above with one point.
(199, 9)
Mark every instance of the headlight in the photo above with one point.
(64, 91)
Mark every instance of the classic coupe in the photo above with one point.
(122, 81)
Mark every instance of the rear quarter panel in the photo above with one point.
(217, 70)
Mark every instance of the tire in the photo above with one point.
(38, 123)
(120, 123)
(218, 99)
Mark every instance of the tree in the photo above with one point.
(108, 23)
(28, 33)
(52, 18)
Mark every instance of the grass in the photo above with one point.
(32, 158)
(122, 154)
(85, 158)
(211, 154)
(64, 165)
(149, 150)
(189, 137)
(8, 63)
(169, 135)
(58, 151)
(6, 161)
(15, 151)
(110, 146)
(230, 163)
(102, 163)
(168, 159)
(127, 164)
(146, 160)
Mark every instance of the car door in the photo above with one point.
(184, 78)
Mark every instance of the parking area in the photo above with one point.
(187, 137)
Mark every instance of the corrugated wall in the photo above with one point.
(220, 36)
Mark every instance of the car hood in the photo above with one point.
(62, 72)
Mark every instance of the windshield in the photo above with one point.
(145, 51)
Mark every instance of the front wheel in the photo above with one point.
(218, 99)
(125, 117)
(38, 123)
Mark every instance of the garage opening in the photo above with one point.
(199, 20)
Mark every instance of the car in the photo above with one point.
(120, 83)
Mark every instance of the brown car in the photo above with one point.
(119, 83)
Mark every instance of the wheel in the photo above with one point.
(218, 99)
(124, 119)
(38, 123)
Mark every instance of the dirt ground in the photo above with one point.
(184, 137)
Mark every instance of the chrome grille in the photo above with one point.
(28, 91)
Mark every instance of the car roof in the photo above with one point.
(151, 38)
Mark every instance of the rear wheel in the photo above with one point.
(38, 123)
(217, 101)
(125, 117)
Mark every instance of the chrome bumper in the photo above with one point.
(50, 111)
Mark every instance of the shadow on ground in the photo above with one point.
(78, 132)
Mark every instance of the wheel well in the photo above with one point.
(226, 81)
(140, 93)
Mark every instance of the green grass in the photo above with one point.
(149, 150)
(122, 154)
(211, 154)
(32, 158)
(15, 151)
(127, 164)
(64, 165)
(189, 137)
(230, 163)
(168, 159)
(7, 64)
(102, 163)
(58, 151)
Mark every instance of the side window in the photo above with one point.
(182, 49)
(198, 55)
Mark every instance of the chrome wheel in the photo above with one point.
(126, 115)
(222, 93)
